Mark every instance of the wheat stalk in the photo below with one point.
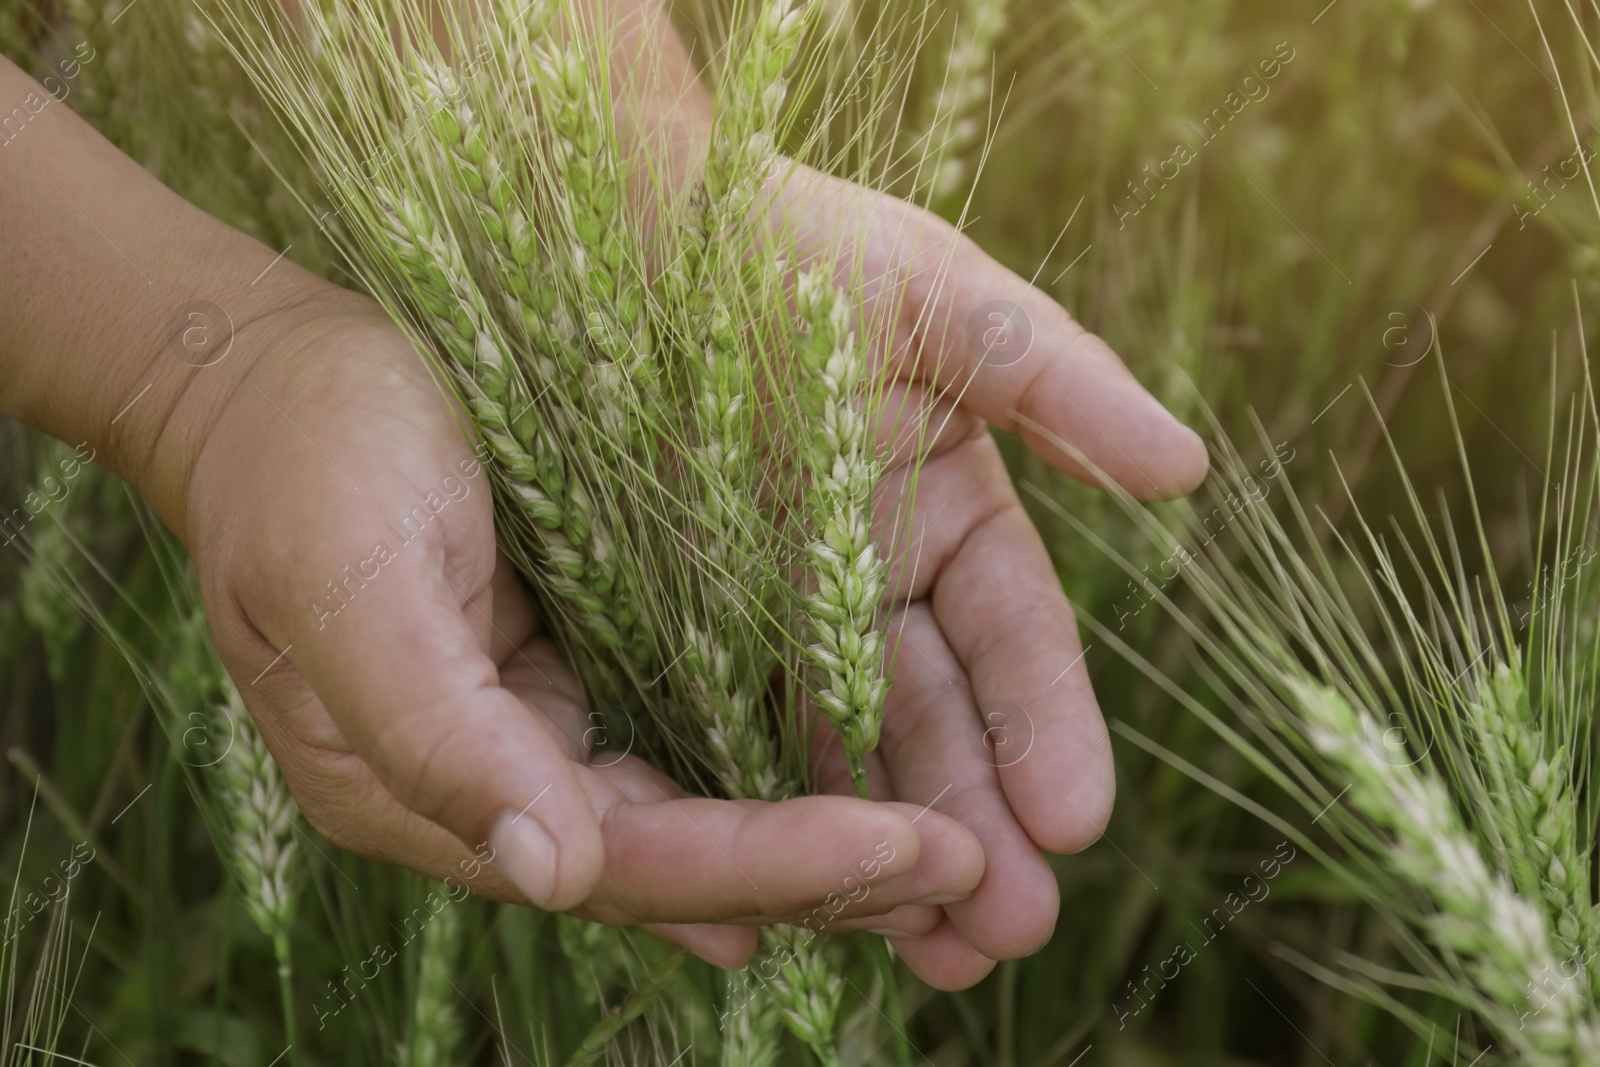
(807, 987)
(1465, 829)
(743, 143)
(261, 815)
(749, 1026)
(576, 553)
(602, 590)
(248, 808)
(1538, 805)
(96, 97)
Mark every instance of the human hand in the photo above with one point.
(985, 645)
(344, 537)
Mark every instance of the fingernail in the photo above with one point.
(526, 854)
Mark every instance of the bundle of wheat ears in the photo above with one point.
(684, 455)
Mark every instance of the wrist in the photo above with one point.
(213, 357)
(146, 407)
(127, 316)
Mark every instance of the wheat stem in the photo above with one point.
(434, 1030)
(285, 957)
(634, 1004)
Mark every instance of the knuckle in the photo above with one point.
(327, 787)
(413, 760)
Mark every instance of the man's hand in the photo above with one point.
(990, 718)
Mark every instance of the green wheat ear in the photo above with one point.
(839, 458)
(569, 542)
(1535, 778)
(748, 1025)
(1464, 831)
(808, 987)
(1499, 936)
(248, 808)
(433, 1030)
(952, 125)
(261, 815)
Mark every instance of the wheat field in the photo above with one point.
(1351, 682)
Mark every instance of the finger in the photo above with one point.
(728, 947)
(916, 422)
(959, 319)
(999, 606)
(908, 920)
(536, 674)
(344, 802)
(933, 747)
(943, 959)
(514, 622)
(953, 860)
(954, 492)
(1016, 358)
(695, 860)
(355, 811)
(950, 865)
(677, 858)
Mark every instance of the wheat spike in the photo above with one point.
(433, 1033)
(848, 649)
(1499, 936)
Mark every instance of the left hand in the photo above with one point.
(984, 722)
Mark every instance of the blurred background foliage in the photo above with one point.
(1387, 170)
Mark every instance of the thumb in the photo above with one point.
(404, 671)
(961, 322)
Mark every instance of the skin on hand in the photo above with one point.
(419, 714)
